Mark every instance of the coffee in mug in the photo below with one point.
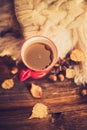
(38, 56)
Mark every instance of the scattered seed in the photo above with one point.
(14, 70)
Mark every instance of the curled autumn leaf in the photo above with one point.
(39, 111)
(36, 90)
(77, 55)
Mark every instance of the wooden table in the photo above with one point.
(67, 107)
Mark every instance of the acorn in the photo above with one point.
(52, 77)
(14, 70)
(84, 92)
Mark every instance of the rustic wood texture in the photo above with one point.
(18, 119)
(67, 107)
(63, 100)
(58, 96)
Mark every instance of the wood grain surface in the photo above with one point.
(67, 107)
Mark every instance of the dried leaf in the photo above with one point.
(39, 111)
(70, 73)
(8, 84)
(77, 55)
(36, 90)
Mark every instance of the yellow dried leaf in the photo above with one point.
(70, 73)
(39, 111)
(7, 84)
(77, 55)
(36, 91)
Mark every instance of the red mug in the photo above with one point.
(34, 59)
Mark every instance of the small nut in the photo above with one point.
(61, 77)
(14, 70)
(53, 77)
(84, 92)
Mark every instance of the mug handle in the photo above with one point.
(25, 74)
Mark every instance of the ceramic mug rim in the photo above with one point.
(39, 37)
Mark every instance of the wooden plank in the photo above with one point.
(18, 119)
(75, 120)
(58, 96)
